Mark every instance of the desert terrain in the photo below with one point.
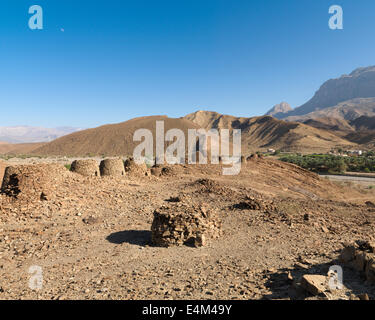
(92, 237)
(99, 226)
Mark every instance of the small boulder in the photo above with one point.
(314, 284)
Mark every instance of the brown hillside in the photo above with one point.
(268, 132)
(363, 123)
(110, 140)
(330, 124)
(359, 131)
(364, 137)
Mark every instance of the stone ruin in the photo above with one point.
(177, 224)
(33, 182)
(87, 167)
(134, 169)
(112, 167)
(360, 255)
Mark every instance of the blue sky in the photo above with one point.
(119, 59)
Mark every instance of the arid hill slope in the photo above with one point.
(360, 131)
(110, 140)
(268, 132)
(363, 123)
(258, 133)
(337, 126)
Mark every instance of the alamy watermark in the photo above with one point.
(335, 278)
(36, 20)
(36, 278)
(335, 22)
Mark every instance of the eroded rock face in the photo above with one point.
(87, 167)
(180, 223)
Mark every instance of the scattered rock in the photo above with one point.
(251, 203)
(90, 220)
(314, 284)
(324, 229)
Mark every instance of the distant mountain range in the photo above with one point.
(340, 114)
(27, 134)
(261, 133)
(279, 109)
(258, 133)
(348, 97)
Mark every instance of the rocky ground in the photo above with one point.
(92, 235)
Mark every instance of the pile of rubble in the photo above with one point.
(179, 223)
(169, 170)
(211, 186)
(251, 203)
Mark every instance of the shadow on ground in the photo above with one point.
(136, 237)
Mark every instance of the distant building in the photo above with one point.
(355, 152)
